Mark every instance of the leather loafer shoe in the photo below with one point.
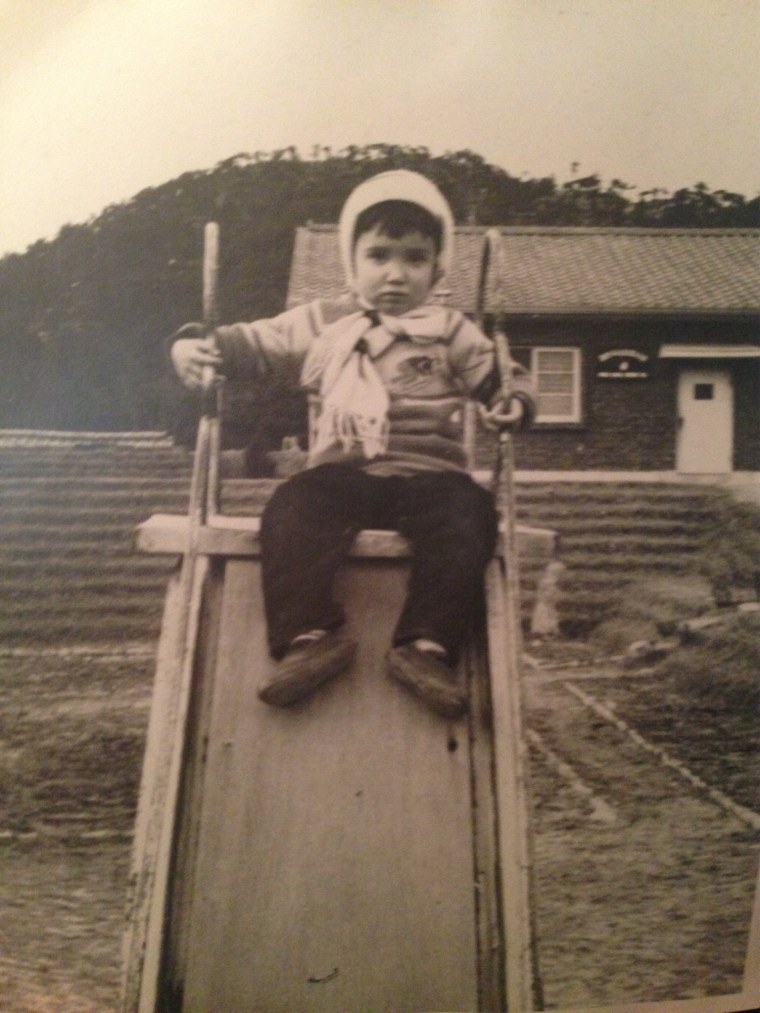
(305, 668)
(429, 678)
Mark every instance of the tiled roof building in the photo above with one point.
(644, 343)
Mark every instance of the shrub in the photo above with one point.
(730, 556)
(648, 609)
(723, 667)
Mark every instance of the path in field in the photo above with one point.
(644, 883)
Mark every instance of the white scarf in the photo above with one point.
(355, 401)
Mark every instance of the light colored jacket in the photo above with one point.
(428, 378)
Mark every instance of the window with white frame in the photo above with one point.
(557, 375)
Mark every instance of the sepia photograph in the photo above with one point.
(380, 506)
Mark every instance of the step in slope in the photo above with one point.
(69, 570)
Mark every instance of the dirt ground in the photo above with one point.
(62, 905)
(72, 732)
(643, 883)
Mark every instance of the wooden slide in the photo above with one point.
(352, 853)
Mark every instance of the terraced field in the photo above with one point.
(614, 534)
(68, 568)
(69, 571)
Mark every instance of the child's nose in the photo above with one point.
(395, 270)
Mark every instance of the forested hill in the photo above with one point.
(83, 317)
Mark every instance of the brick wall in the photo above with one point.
(632, 424)
(747, 415)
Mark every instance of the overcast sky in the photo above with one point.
(101, 98)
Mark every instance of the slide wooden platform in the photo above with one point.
(342, 854)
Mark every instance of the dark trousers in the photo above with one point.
(312, 519)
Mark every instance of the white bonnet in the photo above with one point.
(398, 184)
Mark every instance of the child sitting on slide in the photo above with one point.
(392, 370)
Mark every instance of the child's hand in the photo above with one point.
(190, 356)
(506, 413)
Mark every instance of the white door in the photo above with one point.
(706, 421)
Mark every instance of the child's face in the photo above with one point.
(394, 275)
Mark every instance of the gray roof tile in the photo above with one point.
(577, 271)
